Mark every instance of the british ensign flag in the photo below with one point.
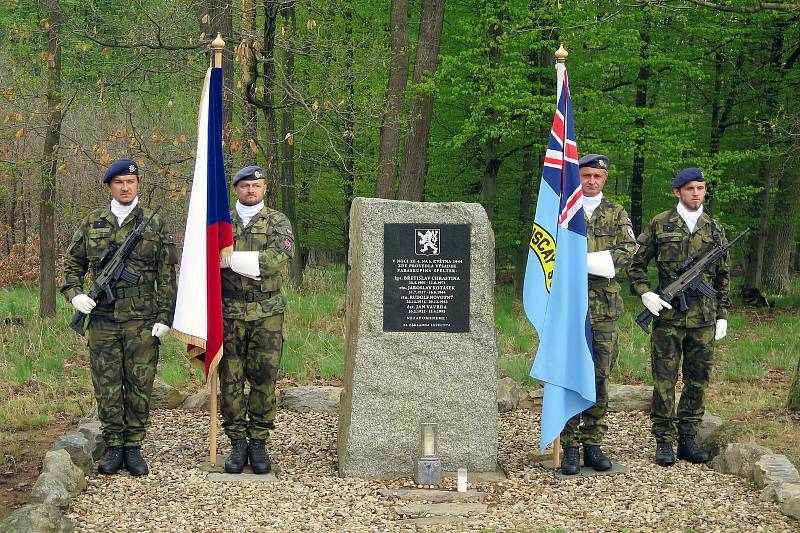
(556, 295)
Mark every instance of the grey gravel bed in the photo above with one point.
(309, 496)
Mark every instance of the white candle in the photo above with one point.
(462, 480)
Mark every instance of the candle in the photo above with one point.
(462, 480)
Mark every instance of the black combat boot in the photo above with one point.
(593, 457)
(235, 462)
(134, 462)
(571, 461)
(111, 463)
(259, 460)
(664, 454)
(688, 450)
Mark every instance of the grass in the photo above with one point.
(44, 367)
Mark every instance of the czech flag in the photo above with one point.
(556, 291)
(198, 309)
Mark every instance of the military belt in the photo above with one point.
(251, 296)
(599, 281)
(131, 292)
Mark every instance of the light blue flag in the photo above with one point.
(556, 295)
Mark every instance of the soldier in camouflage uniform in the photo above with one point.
(670, 238)
(123, 335)
(610, 246)
(252, 306)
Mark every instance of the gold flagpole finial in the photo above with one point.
(561, 54)
(217, 45)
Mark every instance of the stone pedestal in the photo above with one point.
(420, 338)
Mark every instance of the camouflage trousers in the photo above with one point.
(251, 352)
(589, 427)
(124, 357)
(667, 344)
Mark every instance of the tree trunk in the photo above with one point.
(794, 390)
(751, 290)
(491, 159)
(271, 8)
(287, 146)
(217, 17)
(780, 236)
(541, 84)
(47, 242)
(639, 139)
(415, 149)
(349, 139)
(248, 60)
(395, 92)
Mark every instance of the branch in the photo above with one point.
(761, 6)
(157, 46)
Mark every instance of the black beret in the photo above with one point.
(594, 161)
(121, 167)
(252, 172)
(686, 175)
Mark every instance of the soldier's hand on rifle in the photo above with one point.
(83, 303)
(159, 329)
(721, 330)
(654, 303)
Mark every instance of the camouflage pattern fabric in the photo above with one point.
(610, 229)
(252, 351)
(270, 234)
(154, 259)
(667, 240)
(124, 357)
(253, 312)
(123, 353)
(590, 426)
(668, 342)
(679, 338)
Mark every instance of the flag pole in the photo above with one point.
(217, 46)
(561, 57)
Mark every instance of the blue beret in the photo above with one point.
(252, 172)
(121, 167)
(594, 161)
(686, 175)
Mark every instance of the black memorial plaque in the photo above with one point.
(426, 277)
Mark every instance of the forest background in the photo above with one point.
(422, 100)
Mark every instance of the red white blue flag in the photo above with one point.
(198, 309)
(556, 294)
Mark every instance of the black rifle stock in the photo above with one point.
(114, 264)
(690, 278)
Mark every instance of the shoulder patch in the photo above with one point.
(630, 232)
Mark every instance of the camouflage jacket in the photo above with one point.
(609, 229)
(667, 239)
(154, 259)
(270, 234)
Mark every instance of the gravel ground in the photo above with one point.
(310, 497)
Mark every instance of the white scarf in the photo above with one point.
(247, 212)
(690, 217)
(590, 203)
(122, 211)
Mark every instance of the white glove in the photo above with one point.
(722, 329)
(159, 329)
(654, 303)
(246, 264)
(83, 303)
(225, 262)
(601, 264)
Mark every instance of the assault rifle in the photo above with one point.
(114, 265)
(690, 277)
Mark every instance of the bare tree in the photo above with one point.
(247, 59)
(395, 93)
(287, 146)
(47, 244)
(415, 149)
